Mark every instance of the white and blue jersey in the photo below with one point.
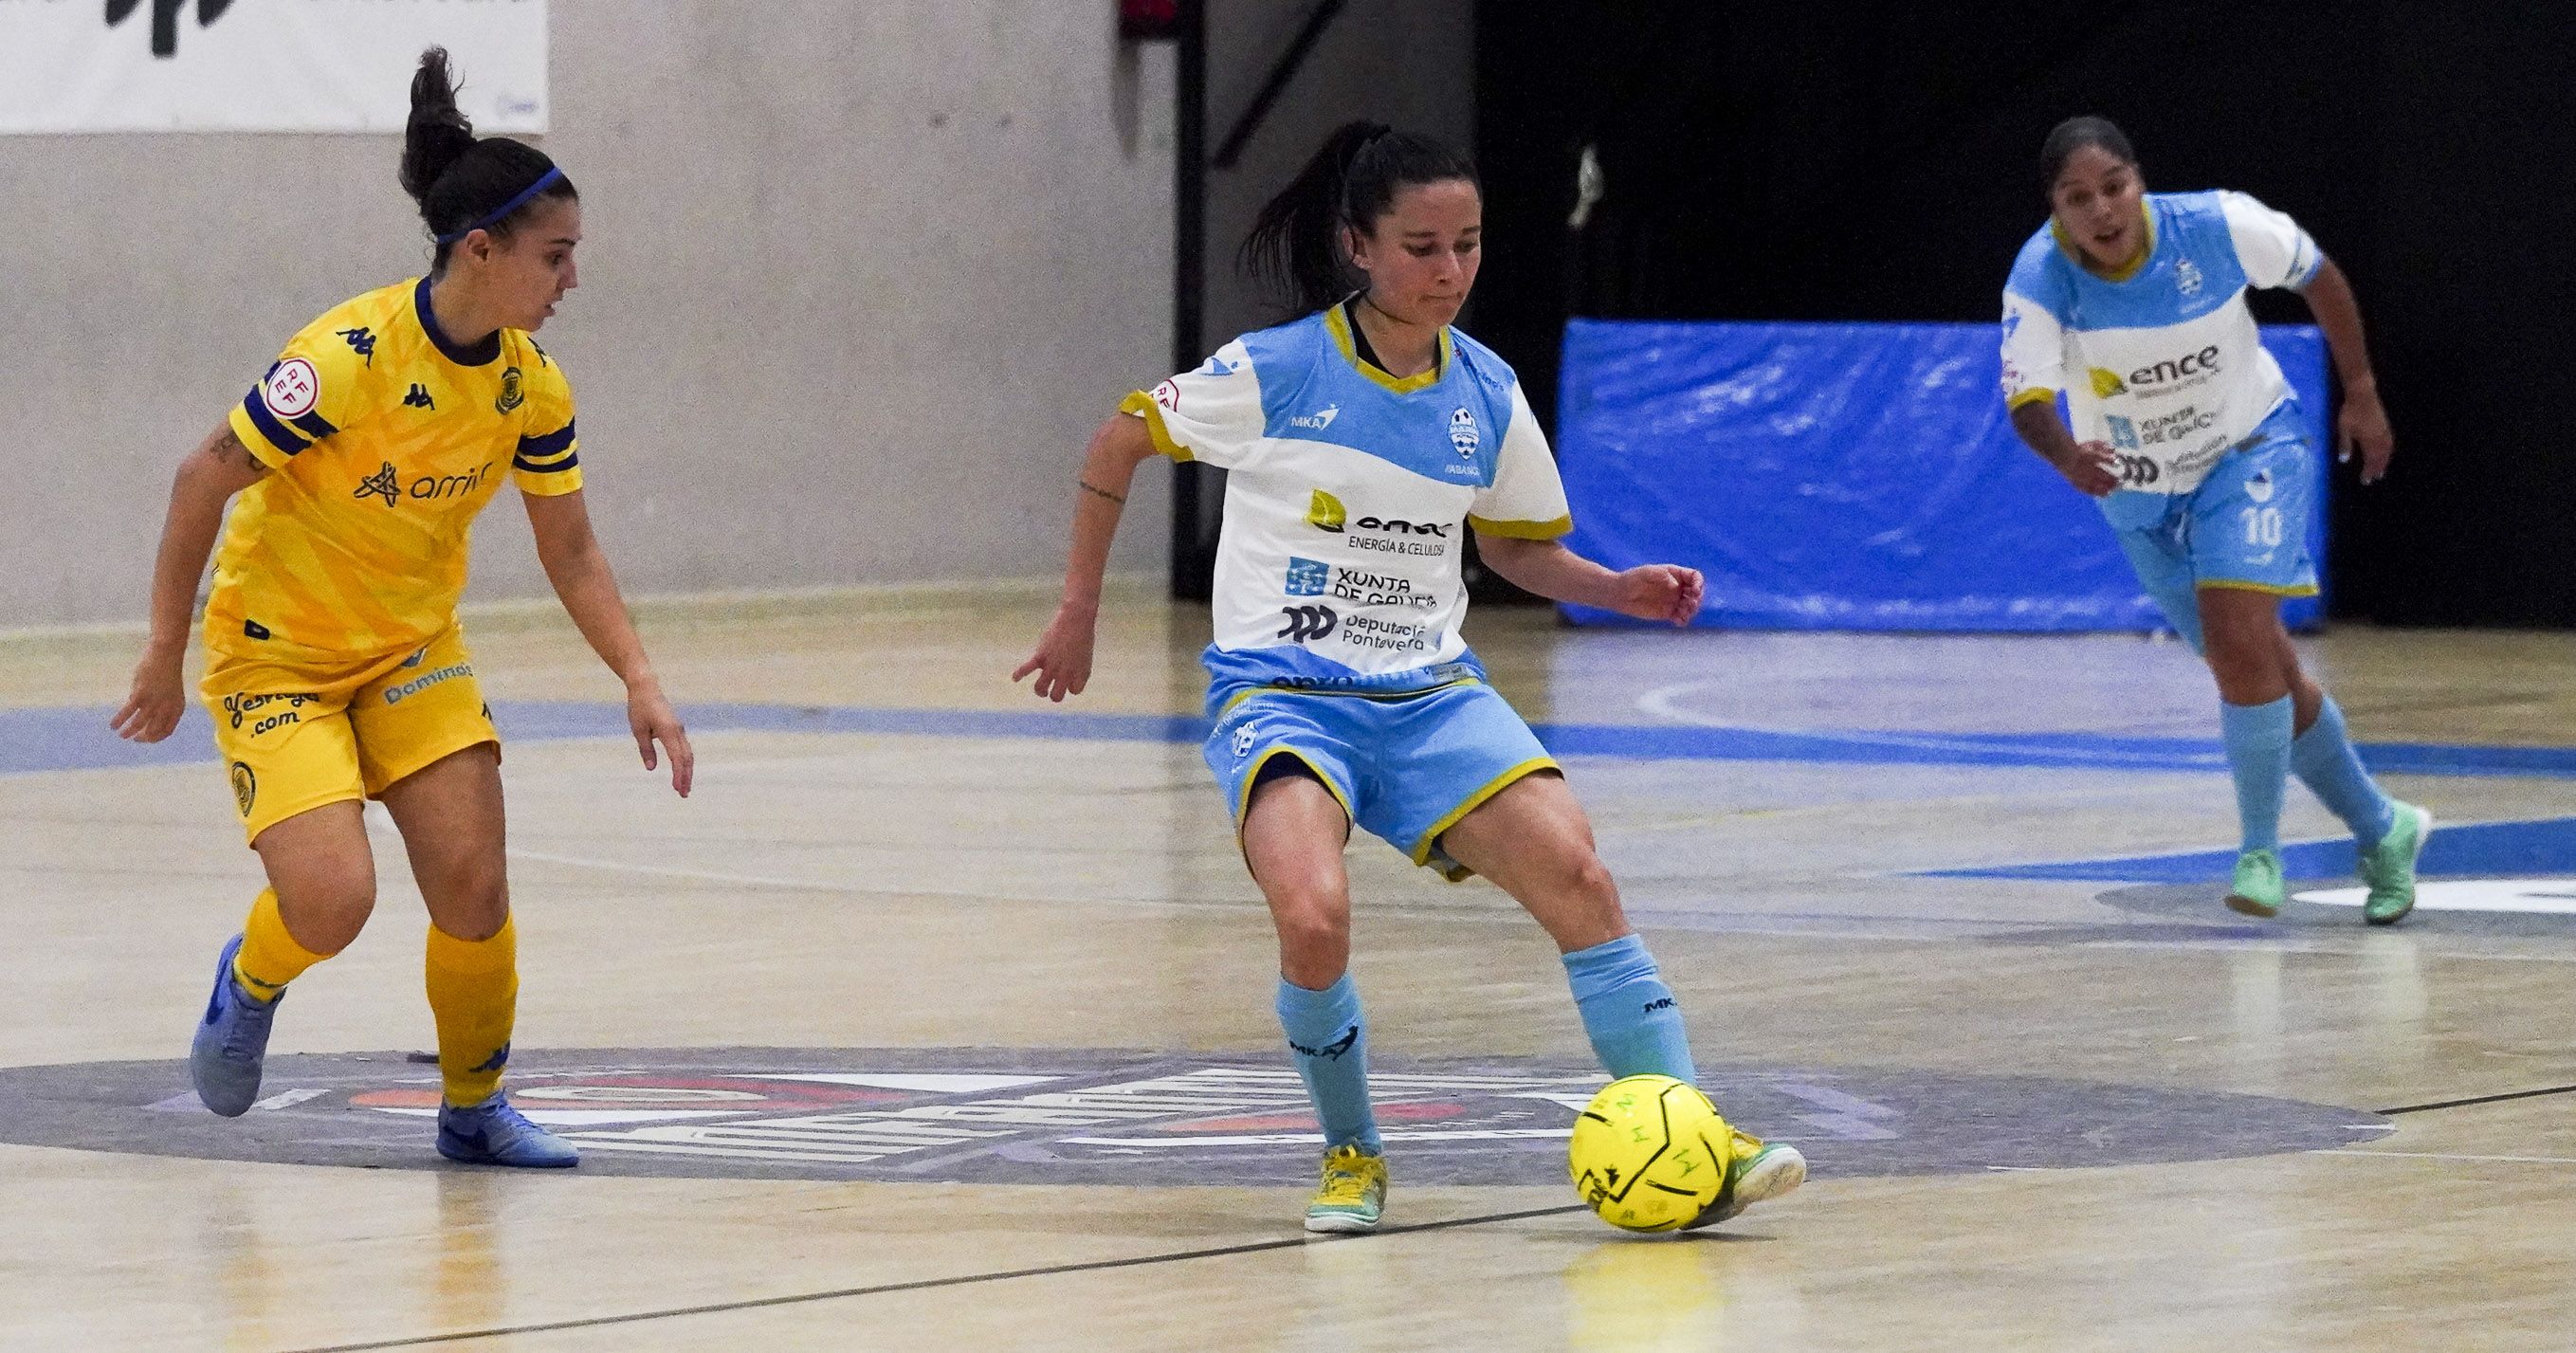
(1339, 588)
(1347, 501)
(2163, 362)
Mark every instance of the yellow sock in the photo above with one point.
(474, 995)
(269, 957)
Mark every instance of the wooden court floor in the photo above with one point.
(940, 1018)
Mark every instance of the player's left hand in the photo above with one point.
(2363, 424)
(650, 715)
(1666, 592)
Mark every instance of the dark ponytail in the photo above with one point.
(1295, 249)
(2074, 134)
(464, 183)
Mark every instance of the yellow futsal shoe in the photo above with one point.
(1353, 1195)
(1759, 1172)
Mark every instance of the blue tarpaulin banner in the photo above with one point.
(1849, 476)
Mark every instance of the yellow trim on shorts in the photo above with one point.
(1143, 406)
(1243, 788)
(2232, 585)
(2032, 395)
(1526, 769)
(1521, 530)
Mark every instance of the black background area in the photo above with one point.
(1880, 162)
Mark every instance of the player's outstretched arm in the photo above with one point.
(2090, 466)
(2361, 424)
(585, 584)
(1666, 592)
(219, 468)
(1063, 657)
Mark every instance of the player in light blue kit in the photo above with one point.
(1364, 441)
(2132, 304)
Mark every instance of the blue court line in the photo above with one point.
(2483, 849)
(60, 739)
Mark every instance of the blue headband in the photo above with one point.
(502, 212)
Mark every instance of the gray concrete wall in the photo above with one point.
(859, 280)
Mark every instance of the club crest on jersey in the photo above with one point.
(2187, 278)
(513, 392)
(292, 388)
(1463, 434)
(2259, 488)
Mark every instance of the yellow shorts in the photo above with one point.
(296, 735)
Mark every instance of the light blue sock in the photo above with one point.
(1628, 1011)
(2258, 751)
(2326, 763)
(1330, 1043)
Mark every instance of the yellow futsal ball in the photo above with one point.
(1649, 1153)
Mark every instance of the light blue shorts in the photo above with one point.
(1405, 768)
(2245, 526)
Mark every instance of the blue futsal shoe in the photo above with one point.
(232, 1041)
(493, 1133)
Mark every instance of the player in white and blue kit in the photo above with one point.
(1364, 442)
(2132, 305)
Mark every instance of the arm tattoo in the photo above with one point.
(1089, 487)
(228, 451)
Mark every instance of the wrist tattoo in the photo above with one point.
(1089, 487)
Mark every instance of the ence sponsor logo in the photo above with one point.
(1386, 535)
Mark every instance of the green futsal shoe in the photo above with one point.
(2389, 867)
(2257, 888)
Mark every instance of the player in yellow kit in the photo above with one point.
(335, 666)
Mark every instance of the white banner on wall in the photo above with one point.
(263, 65)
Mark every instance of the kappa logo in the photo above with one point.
(1463, 434)
(512, 394)
(363, 343)
(1308, 624)
(2259, 488)
(2187, 278)
(385, 483)
(165, 20)
(419, 398)
(1318, 421)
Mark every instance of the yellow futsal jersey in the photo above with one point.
(383, 439)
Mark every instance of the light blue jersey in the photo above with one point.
(1347, 504)
(2163, 362)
